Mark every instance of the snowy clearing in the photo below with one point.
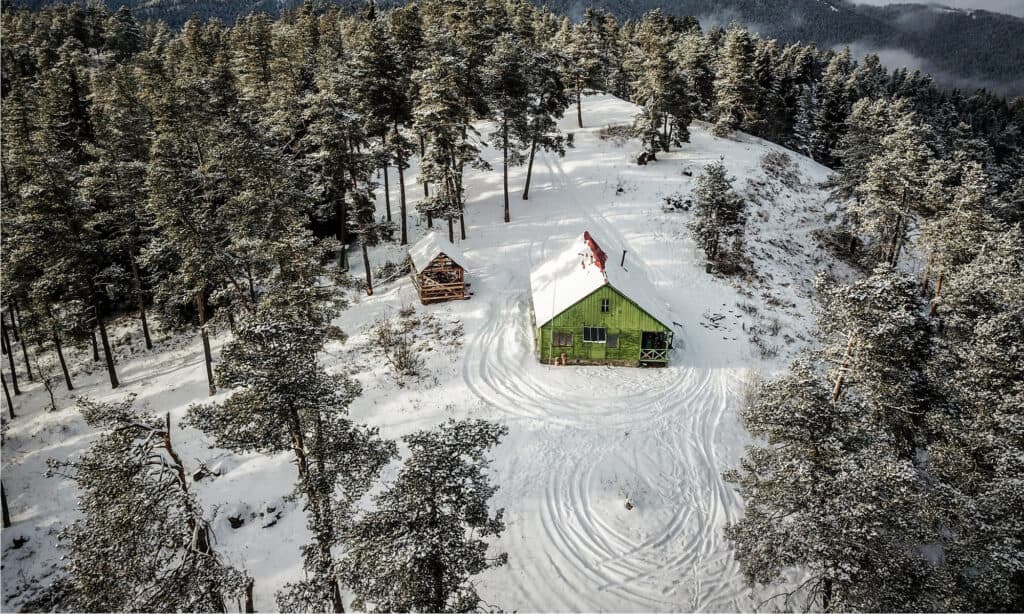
(581, 439)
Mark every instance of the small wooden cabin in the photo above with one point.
(437, 271)
(592, 311)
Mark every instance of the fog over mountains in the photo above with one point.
(963, 47)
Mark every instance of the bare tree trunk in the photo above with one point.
(15, 329)
(107, 354)
(207, 354)
(366, 265)
(10, 359)
(426, 184)
(19, 335)
(250, 608)
(401, 193)
(137, 282)
(95, 346)
(826, 594)
(579, 102)
(504, 164)
(63, 363)
(934, 311)
(529, 170)
(384, 170)
(838, 388)
(451, 231)
(7, 395)
(6, 512)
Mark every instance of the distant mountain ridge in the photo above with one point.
(960, 48)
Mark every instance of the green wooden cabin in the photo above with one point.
(589, 311)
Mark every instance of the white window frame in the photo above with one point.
(587, 329)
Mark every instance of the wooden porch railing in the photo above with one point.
(654, 354)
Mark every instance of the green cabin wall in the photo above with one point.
(624, 318)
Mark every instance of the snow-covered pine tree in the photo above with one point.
(803, 123)
(867, 125)
(379, 88)
(659, 86)
(508, 90)
(835, 98)
(143, 543)
(735, 85)
(719, 212)
(66, 294)
(978, 435)
(115, 181)
(876, 336)
(955, 235)
(581, 48)
(829, 495)
(192, 97)
(768, 111)
(284, 401)
(894, 189)
(547, 104)
(695, 60)
(122, 35)
(441, 117)
(418, 549)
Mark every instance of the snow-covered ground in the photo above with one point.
(581, 439)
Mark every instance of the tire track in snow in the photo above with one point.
(668, 553)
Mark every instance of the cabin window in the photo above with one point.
(562, 340)
(605, 305)
(594, 334)
(613, 341)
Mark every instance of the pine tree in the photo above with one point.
(977, 437)
(719, 211)
(142, 543)
(835, 98)
(507, 82)
(769, 108)
(284, 401)
(869, 122)
(827, 494)
(115, 181)
(894, 188)
(696, 62)
(418, 549)
(581, 48)
(547, 104)
(875, 333)
(659, 86)
(442, 118)
(66, 291)
(955, 235)
(735, 86)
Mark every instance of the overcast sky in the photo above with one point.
(1013, 7)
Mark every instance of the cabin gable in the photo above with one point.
(623, 321)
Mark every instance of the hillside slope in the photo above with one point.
(581, 439)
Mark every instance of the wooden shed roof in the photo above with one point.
(429, 247)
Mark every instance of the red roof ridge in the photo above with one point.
(599, 256)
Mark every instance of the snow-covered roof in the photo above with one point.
(583, 268)
(428, 248)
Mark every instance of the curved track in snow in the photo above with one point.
(650, 434)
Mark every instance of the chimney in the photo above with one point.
(623, 263)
